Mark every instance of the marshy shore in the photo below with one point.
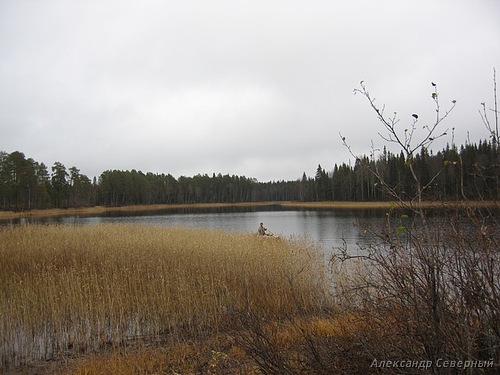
(80, 292)
(129, 299)
(99, 210)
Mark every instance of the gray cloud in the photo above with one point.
(254, 88)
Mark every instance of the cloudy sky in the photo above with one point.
(256, 88)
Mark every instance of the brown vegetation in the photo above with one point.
(70, 290)
(97, 210)
(131, 299)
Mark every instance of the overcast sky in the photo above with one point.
(255, 88)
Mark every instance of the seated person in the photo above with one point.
(262, 230)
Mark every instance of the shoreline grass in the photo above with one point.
(123, 298)
(99, 210)
(72, 290)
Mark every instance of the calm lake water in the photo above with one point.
(326, 227)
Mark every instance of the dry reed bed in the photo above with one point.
(68, 289)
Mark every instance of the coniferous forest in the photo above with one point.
(465, 172)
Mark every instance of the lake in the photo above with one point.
(329, 228)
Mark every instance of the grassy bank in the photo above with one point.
(68, 291)
(98, 210)
(131, 299)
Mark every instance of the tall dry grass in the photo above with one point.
(77, 289)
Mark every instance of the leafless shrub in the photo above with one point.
(431, 280)
(423, 293)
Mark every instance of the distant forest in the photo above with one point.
(468, 172)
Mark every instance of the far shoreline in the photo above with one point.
(98, 210)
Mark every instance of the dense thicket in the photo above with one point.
(468, 172)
